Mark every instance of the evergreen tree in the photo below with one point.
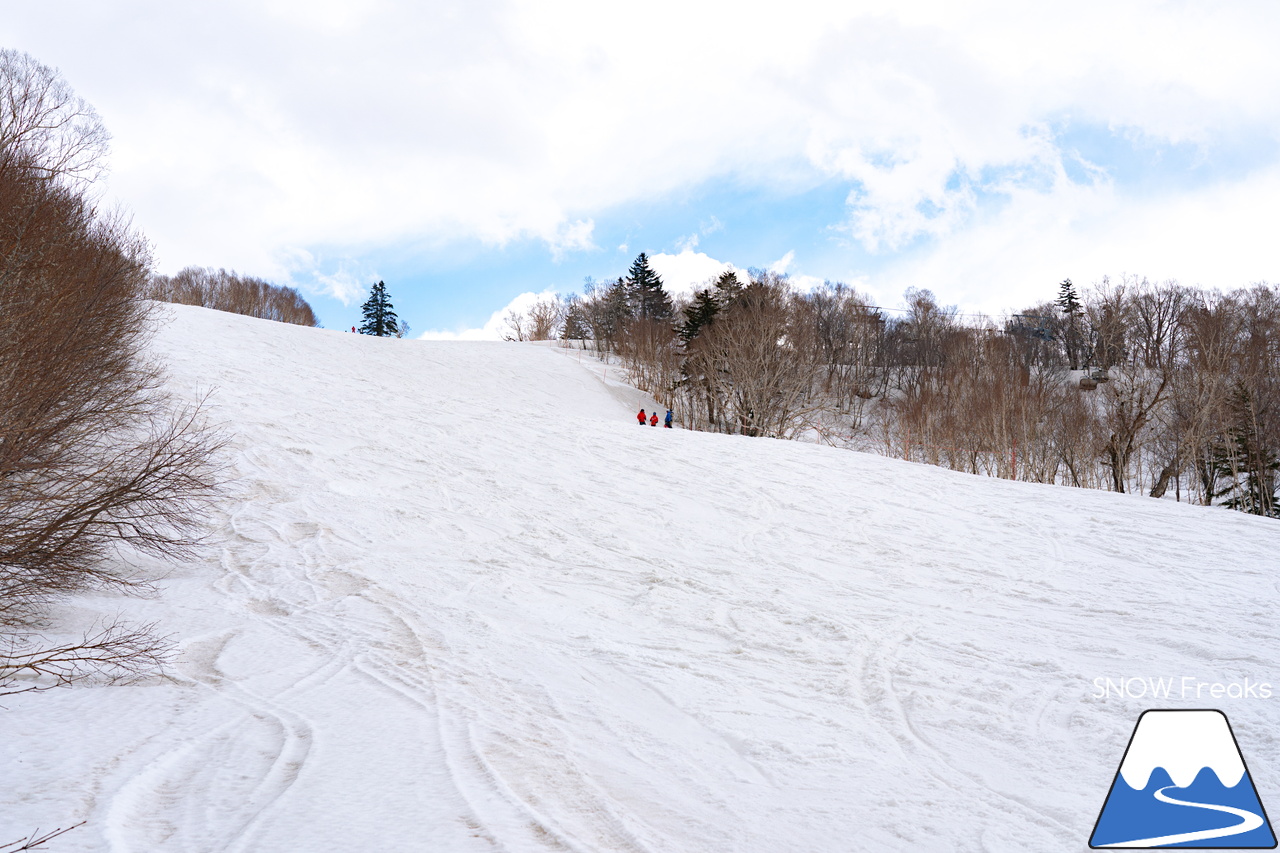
(699, 314)
(728, 287)
(617, 308)
(379, 316)
(644, 289)
(576, 326)
(1069, 301)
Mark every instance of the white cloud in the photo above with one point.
(348, 282)
(356, 126)
(781, 264)
(342, 285)
(572, 237)
(1011, 258)
(687, 244)
(495, 328)
(688, 271)
(806, 282)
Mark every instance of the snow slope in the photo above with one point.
(460, 601)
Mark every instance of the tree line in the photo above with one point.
(1127, 385)
(231, 292)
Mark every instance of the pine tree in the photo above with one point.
(379, 316)
(1069, 301)
(728, 287)
(699, 314)
(576, 327)
(644, 289)
(617, 309)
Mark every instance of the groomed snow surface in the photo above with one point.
(461, 601)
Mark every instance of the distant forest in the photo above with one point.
(1127, 385)
(231, 292)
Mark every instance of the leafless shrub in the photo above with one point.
(233, 293)
(95, 460)
(117, 653)
(517, 326)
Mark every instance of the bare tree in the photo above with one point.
(1133, 394)
(546, 318)
(96, 462)
(848, 337)
(754, 366)
(605, 310)
(517, 326)
(58, 132)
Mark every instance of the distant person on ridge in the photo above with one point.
(653, 421)
(641, 417)
(667, 422)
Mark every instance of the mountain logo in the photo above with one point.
(1183, 783)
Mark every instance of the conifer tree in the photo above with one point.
(728, 287)
(648, 299)
(617, 308)
(576, 326)
(700, 313)
(379, 316)
(1069, 301)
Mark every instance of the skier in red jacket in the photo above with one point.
(641, 417)
(653, 420)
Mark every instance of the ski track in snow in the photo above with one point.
(461, 601)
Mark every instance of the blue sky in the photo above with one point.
(469, 153)
(461, 284)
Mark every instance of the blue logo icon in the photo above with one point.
(1183, 783)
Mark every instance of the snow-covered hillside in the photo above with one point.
(460, 601)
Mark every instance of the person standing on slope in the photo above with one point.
(653, 420)
(641, 417)
(667, 423)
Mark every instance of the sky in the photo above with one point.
(473, 154)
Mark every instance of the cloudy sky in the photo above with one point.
(470, 152)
